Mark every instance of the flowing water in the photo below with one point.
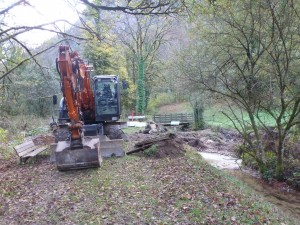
(277, 193)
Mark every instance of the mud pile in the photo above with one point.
(44, 139)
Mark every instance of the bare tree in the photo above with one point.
(140, 7)
(10, 40)
(9, 35)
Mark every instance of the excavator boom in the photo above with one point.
(78, 152)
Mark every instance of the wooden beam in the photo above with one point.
(143, 145)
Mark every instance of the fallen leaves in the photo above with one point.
(129, 190)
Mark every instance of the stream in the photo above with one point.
(279, 194)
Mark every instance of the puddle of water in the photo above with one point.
(221, 161)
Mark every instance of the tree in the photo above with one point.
(143, 35)
(247, 55)
(10, 40)
(9, 34)
(16, 58)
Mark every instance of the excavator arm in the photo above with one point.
(78, 152)
(69, 86)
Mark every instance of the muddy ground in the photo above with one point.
(225, 144)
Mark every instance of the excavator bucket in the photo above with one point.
(81, 158)
(111, 148)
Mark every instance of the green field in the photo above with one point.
(213, 115)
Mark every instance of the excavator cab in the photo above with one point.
(107, 98)
(107, 113)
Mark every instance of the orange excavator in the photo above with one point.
(90, 108)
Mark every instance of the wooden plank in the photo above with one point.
(21, 154)
(184, 117)
(35, 152)
(139, 149)
(23, 145)
(155, 139)
(142, 145)
(25, 148)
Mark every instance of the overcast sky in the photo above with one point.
(40, 11)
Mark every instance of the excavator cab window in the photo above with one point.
(107, 98)
(107, 93)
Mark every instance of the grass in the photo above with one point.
(213, 115)
(183, 107)
(132, 190)
(17, 129)
(131, 130)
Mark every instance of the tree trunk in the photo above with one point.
(141, 95)
(198, 116)
(259, 151)
(279, 165)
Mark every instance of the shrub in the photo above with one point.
(159, 100)
(151, 151)
(4, 153)
(271, 160)
(3, 136)
(294, 180)
(249, 160)
(292, 172)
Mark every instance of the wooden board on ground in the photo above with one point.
(142, 145)
(29, 149)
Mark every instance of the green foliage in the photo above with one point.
(27, 125)
(38, 130)
(102, 56)
(131, 130)
(141, 92)
(292, 172)
(198, 116)
(29, 92)
(20, 127)
(3, 136)
(271, 160)
(232, 45)
(5, 152)
(158, 100)
(294, 180)
(151, 151)
(107, 59)
(140, 102)
(249, 160)
(143, 41)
